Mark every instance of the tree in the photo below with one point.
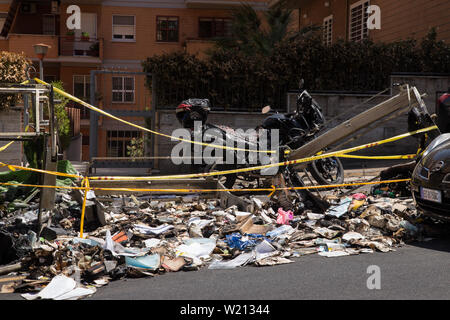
(254, 34)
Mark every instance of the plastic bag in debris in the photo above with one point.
(352, 236)
(239, 261)
(359, 196)
(89, 242)
(339, 209)
(196, 248)
(236, 240)
(143, 229)
(332, 254)
(314, 216)
(412, 229)
(284, 229)
(118, 250)
(151, 243)
(263, 250)
(241, 216)
(284, 216)
(150, 262)
(61, 288)
(201, 223)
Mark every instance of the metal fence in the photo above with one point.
(224, 93)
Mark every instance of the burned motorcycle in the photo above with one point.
(294, 130)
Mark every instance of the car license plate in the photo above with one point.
(431, 195)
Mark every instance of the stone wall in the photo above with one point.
(337, 107)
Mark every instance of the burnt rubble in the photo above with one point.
(141, 236)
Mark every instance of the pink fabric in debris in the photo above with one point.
(284, 216)
(359, 196)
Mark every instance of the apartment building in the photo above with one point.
(115, 35)
(399, 19)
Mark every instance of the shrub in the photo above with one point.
(234, 80)
(63, 121)
(13, 69)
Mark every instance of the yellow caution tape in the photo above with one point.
(407, 156)
(55, 173)
(279, 164)
(272, 189)
(89, 106)
(320, 155)
(83, 208)
(341, 153)
(40, 186)
(6, 146)
(86, 187)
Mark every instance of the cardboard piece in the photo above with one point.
(172, 264)
(248, 227)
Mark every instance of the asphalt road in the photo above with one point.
(416, 271)
(419, 271)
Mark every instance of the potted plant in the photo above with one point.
(70, 35)
(94, 49)
(84, 36)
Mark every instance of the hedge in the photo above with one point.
(236, 81)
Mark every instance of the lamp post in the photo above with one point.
(41, 50)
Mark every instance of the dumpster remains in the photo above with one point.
(144, 236)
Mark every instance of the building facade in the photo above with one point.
(115, 35)
(399, 19)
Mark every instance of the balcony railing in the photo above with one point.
(79, 46)
(83, 111)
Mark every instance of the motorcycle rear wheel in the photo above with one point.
(327, 171)
(227, 180)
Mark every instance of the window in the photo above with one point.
(214, 27)
(88, 25)
(123, 89)
(49, 24)
(81, 87)
(81, 90)
(118, 141)
(3, 16)
(167, 29)
(124, 28)
(85, 140)
(49, 78)
(358, 21)
(328, 30)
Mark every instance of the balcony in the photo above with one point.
(223, 4)
(80, 47)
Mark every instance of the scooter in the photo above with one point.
(294, 130)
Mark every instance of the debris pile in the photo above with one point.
(139, 236)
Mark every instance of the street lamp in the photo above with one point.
(41, 50)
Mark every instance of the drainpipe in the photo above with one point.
(346, 20)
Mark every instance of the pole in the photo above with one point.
(93, 121)
(41, 69)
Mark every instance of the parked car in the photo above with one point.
(430, 183)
